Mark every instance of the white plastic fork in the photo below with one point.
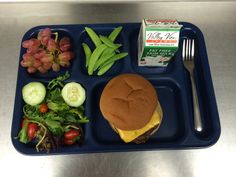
(188, 60)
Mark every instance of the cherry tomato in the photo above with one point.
(43, 108)
(71, 136)
(32, 129)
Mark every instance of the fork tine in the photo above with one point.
(192, 50)
(189, 49)
(187, 46)
(183, 51)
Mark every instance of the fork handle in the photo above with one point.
(197, 115)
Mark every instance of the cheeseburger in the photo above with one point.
(130, 104)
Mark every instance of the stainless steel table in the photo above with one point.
(215, 19)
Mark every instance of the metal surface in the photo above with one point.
(104, 1)
(215, 19)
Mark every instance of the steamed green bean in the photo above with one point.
(94, 57)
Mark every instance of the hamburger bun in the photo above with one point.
(130, 104)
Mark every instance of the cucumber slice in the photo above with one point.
(34, 93)
(73, 94)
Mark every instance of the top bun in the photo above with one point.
(128, 101)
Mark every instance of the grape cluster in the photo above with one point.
(46, 52)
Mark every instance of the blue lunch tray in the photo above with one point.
(171, 83)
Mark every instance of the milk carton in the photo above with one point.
(157, 42)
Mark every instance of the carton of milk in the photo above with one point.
(158, 42)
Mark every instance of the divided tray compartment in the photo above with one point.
(171, 83)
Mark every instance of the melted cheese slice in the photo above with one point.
(130, 135)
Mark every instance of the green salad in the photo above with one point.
(52, 115)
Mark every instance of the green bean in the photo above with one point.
(118, 46)
(115, 33)
(107, 51)
(94, 57)
(94, 37)
(108, 42)
(87, 52)
(114, 58)
(105, 69)
(104, 57)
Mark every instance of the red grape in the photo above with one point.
(26, 44)
(37, 63)
(42, 69)
(31, 43)
(45, 40)
(27, 57)
(47, 58)
(66, 56)
(44, 35)
(36, 42)
(40, 54)
(46, 32)
(27, 60)
(32, 50)
(45, 52)
(31, 69)
(47, 65)
(24, 64)
(65, 44)
(52, 46)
